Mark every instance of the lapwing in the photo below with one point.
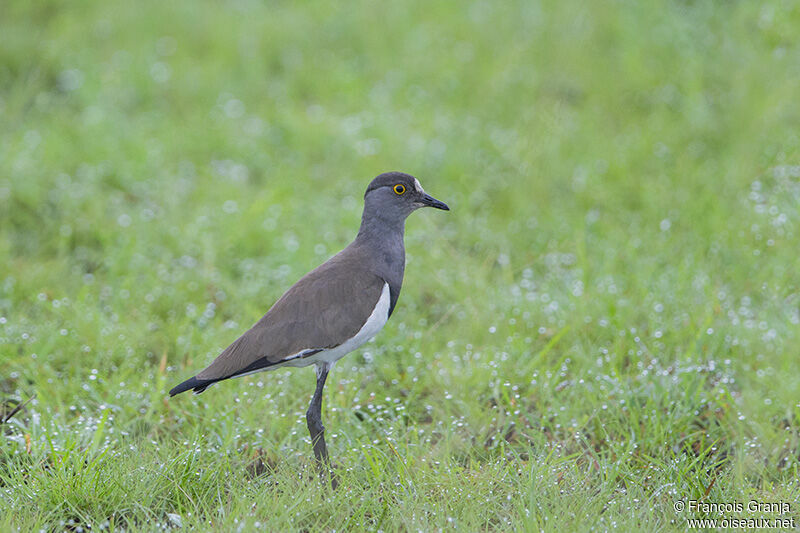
(333, 309)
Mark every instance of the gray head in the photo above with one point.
(393, 196)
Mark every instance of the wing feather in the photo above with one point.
(325, 308)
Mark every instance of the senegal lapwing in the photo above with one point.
(333, 309)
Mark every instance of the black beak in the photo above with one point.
(430, 201)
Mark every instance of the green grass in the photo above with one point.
(606, 322)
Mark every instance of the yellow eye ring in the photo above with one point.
(399, 188)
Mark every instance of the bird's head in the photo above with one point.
(396, 195)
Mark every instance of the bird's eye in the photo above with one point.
(399, 188)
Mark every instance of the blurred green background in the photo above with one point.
(606, 322)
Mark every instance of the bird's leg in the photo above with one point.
(315, 427)
(314, 417)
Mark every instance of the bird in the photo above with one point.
(333, 309)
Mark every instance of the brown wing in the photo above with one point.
(324, 309)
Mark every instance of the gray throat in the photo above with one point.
(382, 238)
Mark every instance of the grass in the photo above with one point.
(606, 322)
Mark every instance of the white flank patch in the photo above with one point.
(371, 327)
(418, 186)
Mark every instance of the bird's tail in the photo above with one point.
(198, 385)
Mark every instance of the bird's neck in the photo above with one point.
(383, 240)
(377, 228)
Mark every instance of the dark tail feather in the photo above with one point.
(199, 385)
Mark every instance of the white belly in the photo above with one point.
(371, 327)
